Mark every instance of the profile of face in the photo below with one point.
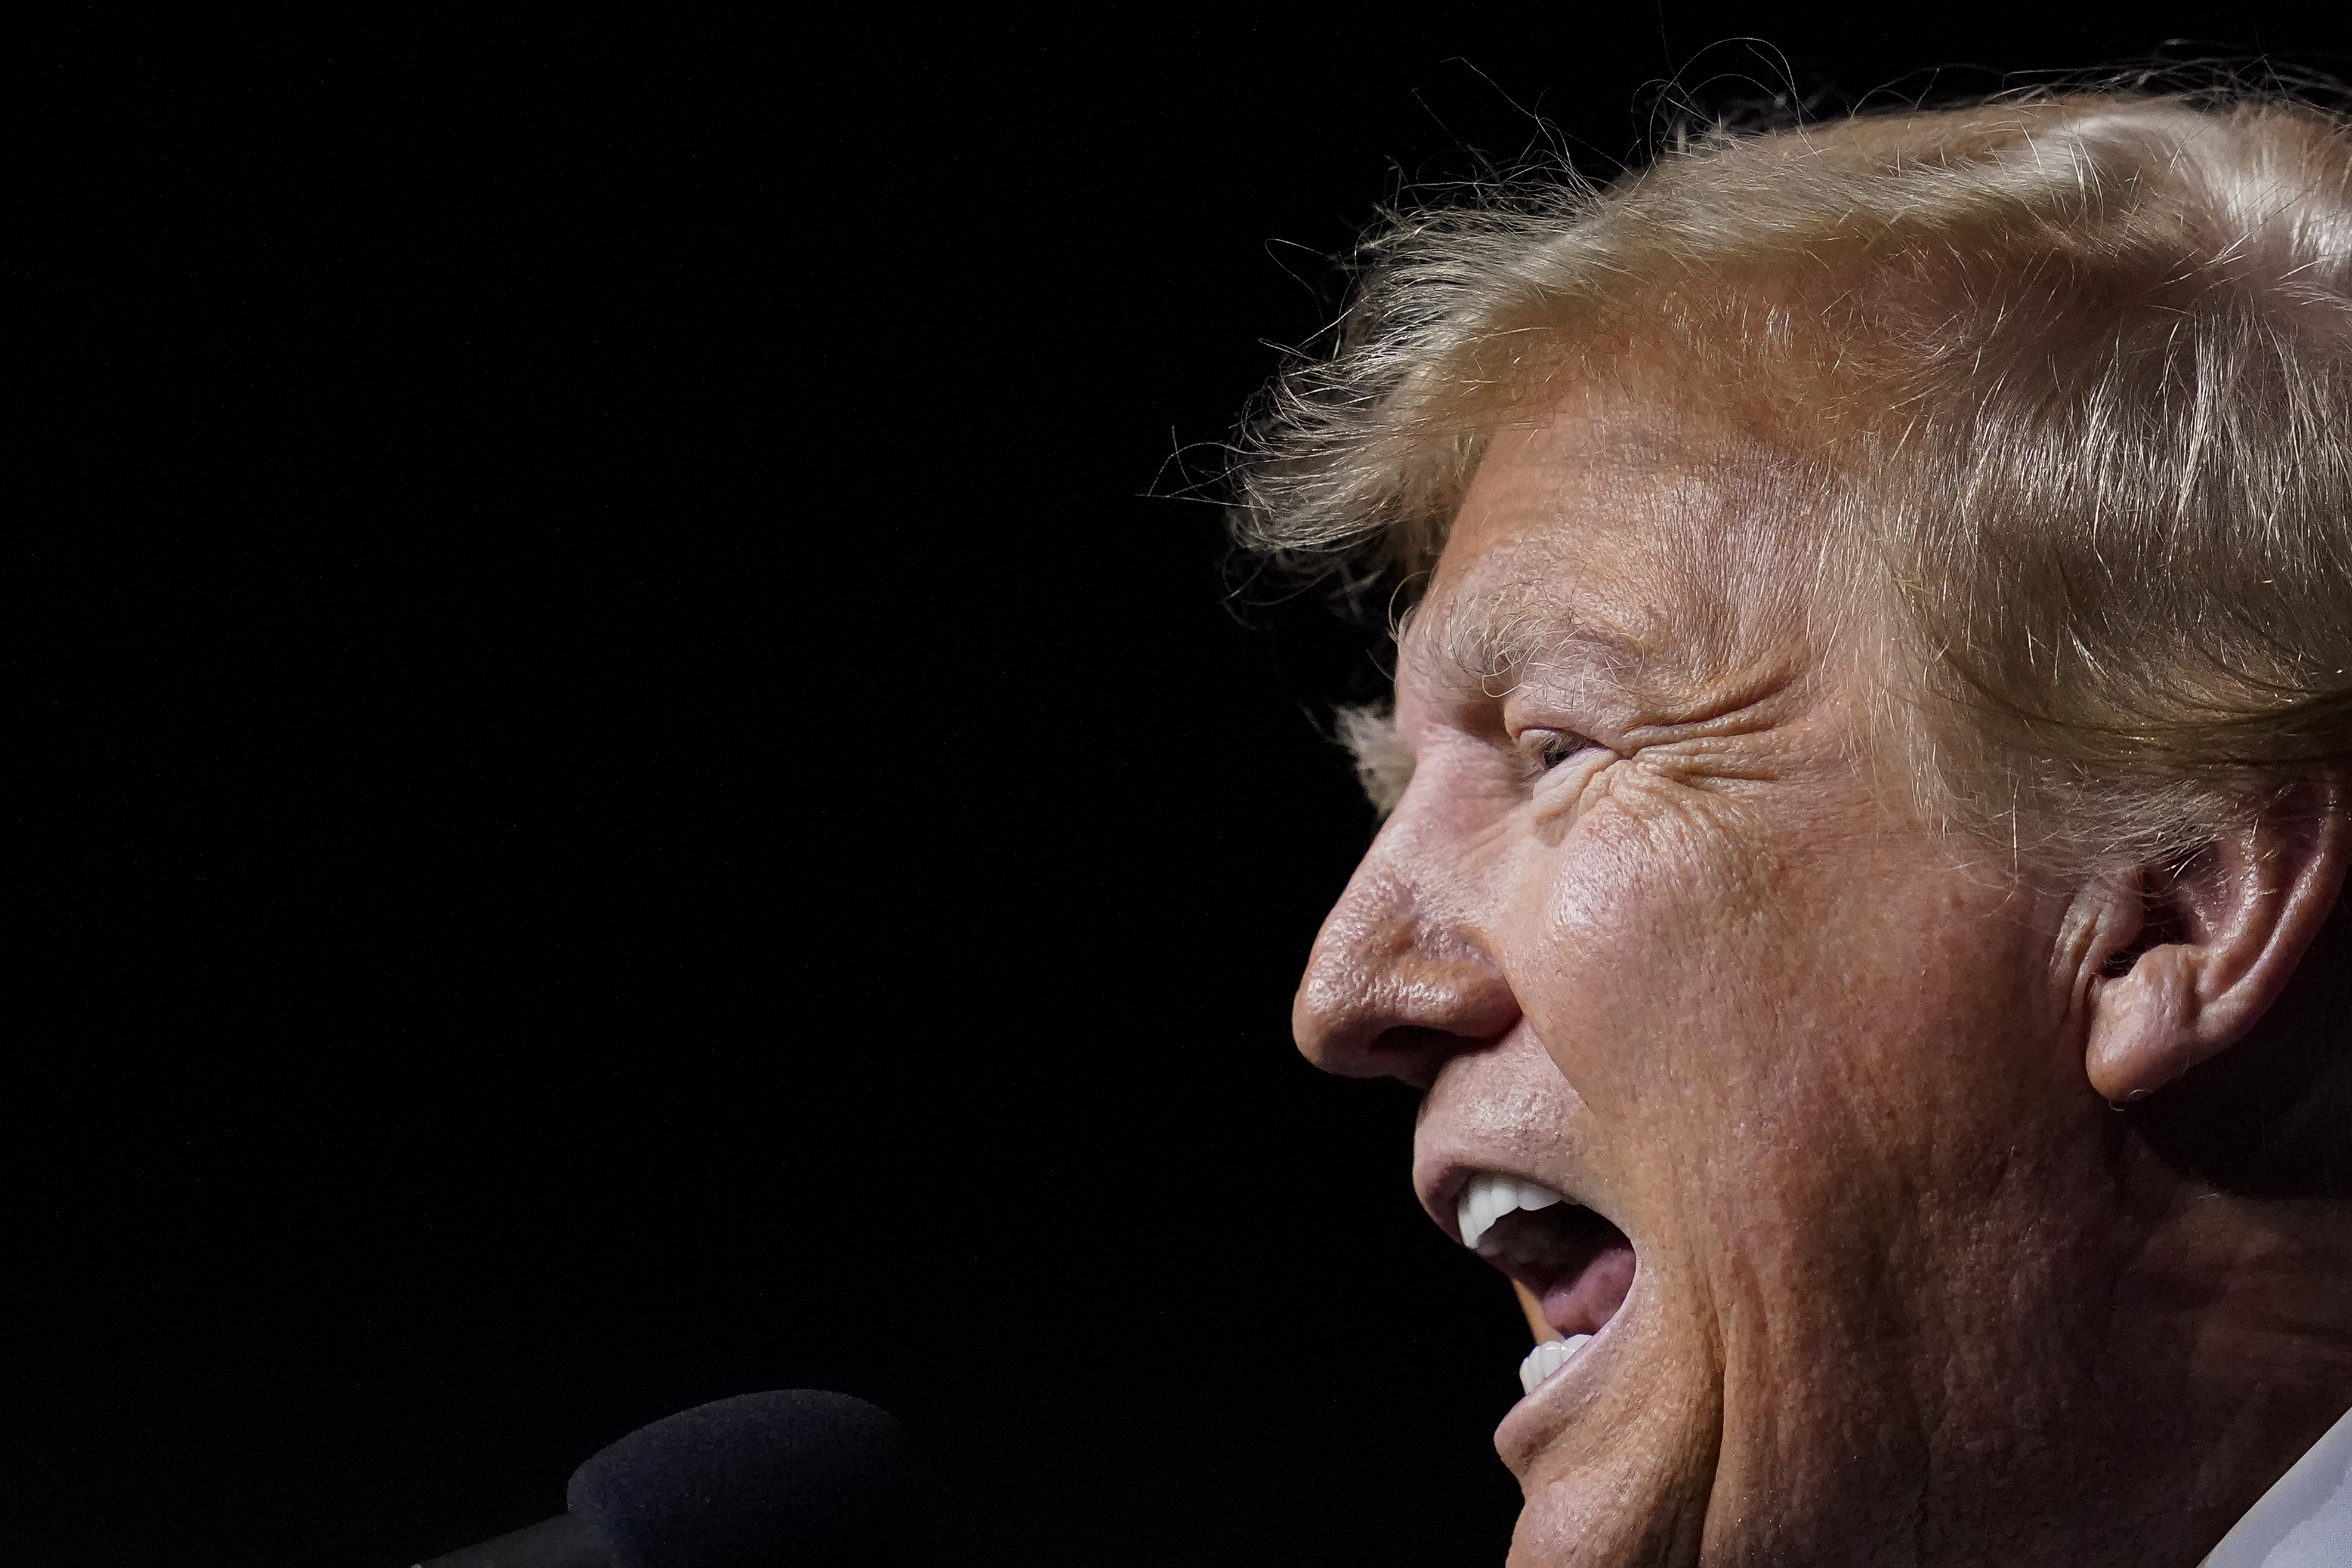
(1658, 929)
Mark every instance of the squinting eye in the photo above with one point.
(1549, 748)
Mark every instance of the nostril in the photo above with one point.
(1394, 987)
(1415, 1053)
(1415, 1038)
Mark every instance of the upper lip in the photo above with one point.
(1508, 1112)
(1553, 1260)
(1441, 1195)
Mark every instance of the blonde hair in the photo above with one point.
(2071, 373)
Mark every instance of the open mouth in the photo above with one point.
(1576, 1265)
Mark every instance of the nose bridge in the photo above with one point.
(1401, 977)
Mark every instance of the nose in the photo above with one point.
(1399, 982)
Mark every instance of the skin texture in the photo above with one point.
(1653, 926)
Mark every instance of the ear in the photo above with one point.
(2188, 957)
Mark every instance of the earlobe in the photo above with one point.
(2213, 945)
(2143, 1033)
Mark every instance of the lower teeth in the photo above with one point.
(1548, 1358)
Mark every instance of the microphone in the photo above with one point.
(798, 1476)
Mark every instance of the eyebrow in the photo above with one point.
(1483, 641)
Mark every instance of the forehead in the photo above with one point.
(1608, 534)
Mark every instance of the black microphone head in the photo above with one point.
(798, 1476)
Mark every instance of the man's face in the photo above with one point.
(1656, 929)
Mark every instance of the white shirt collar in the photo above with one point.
(2305, 1520)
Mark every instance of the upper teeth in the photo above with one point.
(1489, 1198)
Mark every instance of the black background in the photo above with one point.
(649, 782)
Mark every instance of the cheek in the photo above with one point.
(1755, 1001)
(1664, 950)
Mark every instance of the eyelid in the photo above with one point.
(1575, 741)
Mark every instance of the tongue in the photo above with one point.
(1583, 1302)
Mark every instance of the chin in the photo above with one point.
(1615, 1452)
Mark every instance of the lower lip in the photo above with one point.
(1534, 1415)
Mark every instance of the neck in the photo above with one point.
(2224, 1335)
(2122, 1362)
(2229, 1356)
